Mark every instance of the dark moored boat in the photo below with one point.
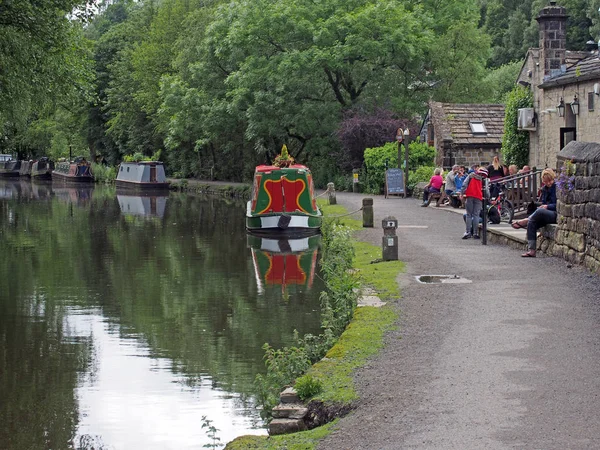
(42, 169)
(9, 166)
(77, 171)
(142, 176)
(25, 169)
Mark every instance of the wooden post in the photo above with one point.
(367, 209)
(355, 180)
(331, 193)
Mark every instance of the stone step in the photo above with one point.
(289, 396)
(290, 411)
(286, 426)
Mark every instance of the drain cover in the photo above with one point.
(433, 279)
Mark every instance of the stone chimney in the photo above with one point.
(552, 21)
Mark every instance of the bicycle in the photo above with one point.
(504, 206)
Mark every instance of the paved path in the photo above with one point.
(510, 360)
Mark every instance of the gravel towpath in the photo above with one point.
(510, 360)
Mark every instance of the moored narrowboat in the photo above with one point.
(41, 169)
(77, 171)
(283, 200)
(9, 166)
(142, 176)
(25, 168)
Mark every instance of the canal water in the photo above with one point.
(129, 322)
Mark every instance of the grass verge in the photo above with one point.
(361, 340)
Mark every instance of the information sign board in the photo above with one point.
(394, 182)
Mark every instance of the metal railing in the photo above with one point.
(521, 189)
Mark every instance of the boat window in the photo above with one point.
(121, 168)
(128, 169)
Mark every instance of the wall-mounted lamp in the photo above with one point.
(575, 105)
(561, 108)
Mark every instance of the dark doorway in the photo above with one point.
(567, 135)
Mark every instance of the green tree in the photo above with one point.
(460, 57)
(500, 81)
(42, 56)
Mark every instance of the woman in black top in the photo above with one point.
(495, 171)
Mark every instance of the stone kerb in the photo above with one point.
(576, 237)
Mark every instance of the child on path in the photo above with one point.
(472, 194)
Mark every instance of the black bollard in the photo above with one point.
(484, 210)
(389, 242)
(367, 209)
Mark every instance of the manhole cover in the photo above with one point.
(433, 279)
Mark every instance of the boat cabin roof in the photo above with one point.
(143, 162)
(275, 168)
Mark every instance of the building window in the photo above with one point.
(477, 127)
(590, 101)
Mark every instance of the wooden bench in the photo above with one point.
(439, 197)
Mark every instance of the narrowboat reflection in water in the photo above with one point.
(78, 195)
(9, 190)
(283, 263)
(142, 205)
(17, 188)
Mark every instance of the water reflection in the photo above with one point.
(17, 188)
(146, 205)
(114, 329)
(79, 195)
(285, 263)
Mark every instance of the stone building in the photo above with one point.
(566, 91)
(463, 134)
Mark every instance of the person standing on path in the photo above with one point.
(472, 194)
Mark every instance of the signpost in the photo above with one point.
(394, 182)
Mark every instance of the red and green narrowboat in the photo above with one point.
(283, 202)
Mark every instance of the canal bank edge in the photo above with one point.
(224, 188)
(362, 339)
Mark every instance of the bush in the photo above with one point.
(375, 164)
(423, 173)
(104, 174)
(420, 154)
(307, 387)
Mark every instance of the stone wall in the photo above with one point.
(576, 238)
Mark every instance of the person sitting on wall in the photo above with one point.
(434, 186)
(542, 216)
